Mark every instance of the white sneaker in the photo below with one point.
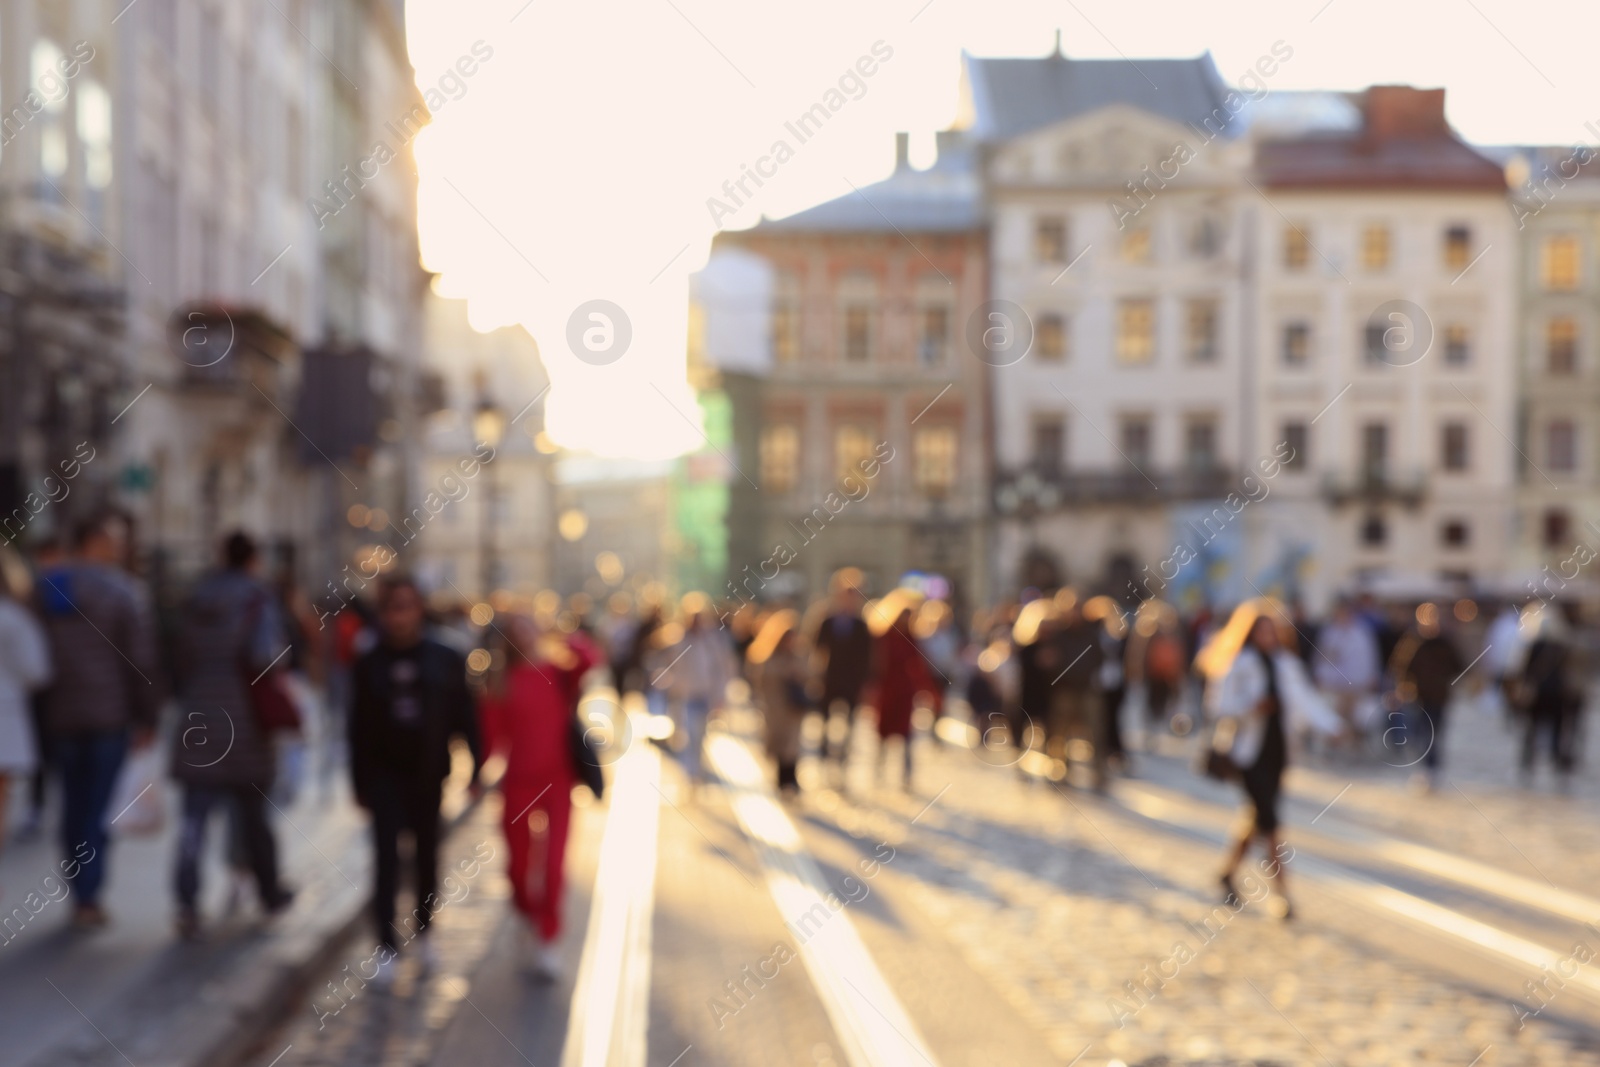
(548, 964)
(427, 958)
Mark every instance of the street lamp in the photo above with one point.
(489, 426)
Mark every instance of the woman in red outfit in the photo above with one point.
(526, 719)
(901, 671)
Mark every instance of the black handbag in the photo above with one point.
(1219, 753)
(585, 758)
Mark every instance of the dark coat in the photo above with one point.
(448, 710)
(847, 652)
(1430, 664)
(229, 633)
(103, 643)
(1080, 656)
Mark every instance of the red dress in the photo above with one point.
(902, 673)
(528, 725)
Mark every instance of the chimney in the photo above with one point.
(1392, 111)
(902, 152)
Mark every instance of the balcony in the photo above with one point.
(1028, 491)
(235, 351)
(1375, 487)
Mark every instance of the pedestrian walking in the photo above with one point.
(696, 676)
(1077, 707)
(1258, 691)
(24, 669)
(1113, 679)
(232, 637)
(778, 671)
(98, 620)
(842, 651)
(900, 673)
(1425, 666)
(1347, 667)
(409, 699)
(528, 717)
(48, 556)
(1549, 694)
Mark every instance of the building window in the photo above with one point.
(1454, 454)
(1455, 533)
(1200, 443)
(1559, 262)
(1137, 245)
(1049, 446)
(1374, 343)
(1374, 531)
(1561, 345)
(1201, 333)
(852, 446)
(780, 457)
(1135, 434)
(933, 342)
(1050, 337)
(1136, 331)
(1050, 239)
(785, 332)
(934, 459)
(1296, 435)
(1557, 528)
(1457, 345)
(1375, 247)
(1205, 239)
(1375, 451)
(1561, 445)
(1296, 344)
(1296, 248)
(1457, 248)
(857, 333)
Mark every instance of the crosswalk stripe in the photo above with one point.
(611, 1002)
(872, 1025)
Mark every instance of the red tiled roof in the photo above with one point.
(1404, 143)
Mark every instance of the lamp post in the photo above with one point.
(489, 426)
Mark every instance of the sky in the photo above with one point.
(576, 162)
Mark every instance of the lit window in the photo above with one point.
(1136, 245)
(1050, 239)
(1561, 345)
(852, 446)
(1296, 248)
(1201, 333)
(785, 332)
(933, 342)
(1454, 454)
(1457, 345)
(1375, 247)
(1296, 344)
(1559, 262)
(1050, 338)
(1457, 248)
(780, 457)
(1561, 445)
(934, 459)
(1136, 331)
(857, 333)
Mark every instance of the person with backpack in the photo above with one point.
(528, 718)
(222, 751)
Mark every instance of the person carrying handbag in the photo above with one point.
(529, 719)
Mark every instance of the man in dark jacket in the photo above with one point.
(232, 637)
(843, 647)
(106, 695)
(409, 698)
(1425, 666)
(1077, 706)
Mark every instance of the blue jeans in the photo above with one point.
(246, 808)
(695, 713)
(88, 764)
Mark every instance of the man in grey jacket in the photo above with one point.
(107, 693)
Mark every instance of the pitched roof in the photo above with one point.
(1010, 97)
(1403, 142)
(945, 197)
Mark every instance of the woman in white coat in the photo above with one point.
(1260, 689)
(24, 667)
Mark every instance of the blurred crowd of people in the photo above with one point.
(259, 692)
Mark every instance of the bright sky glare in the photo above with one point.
(576, 163)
